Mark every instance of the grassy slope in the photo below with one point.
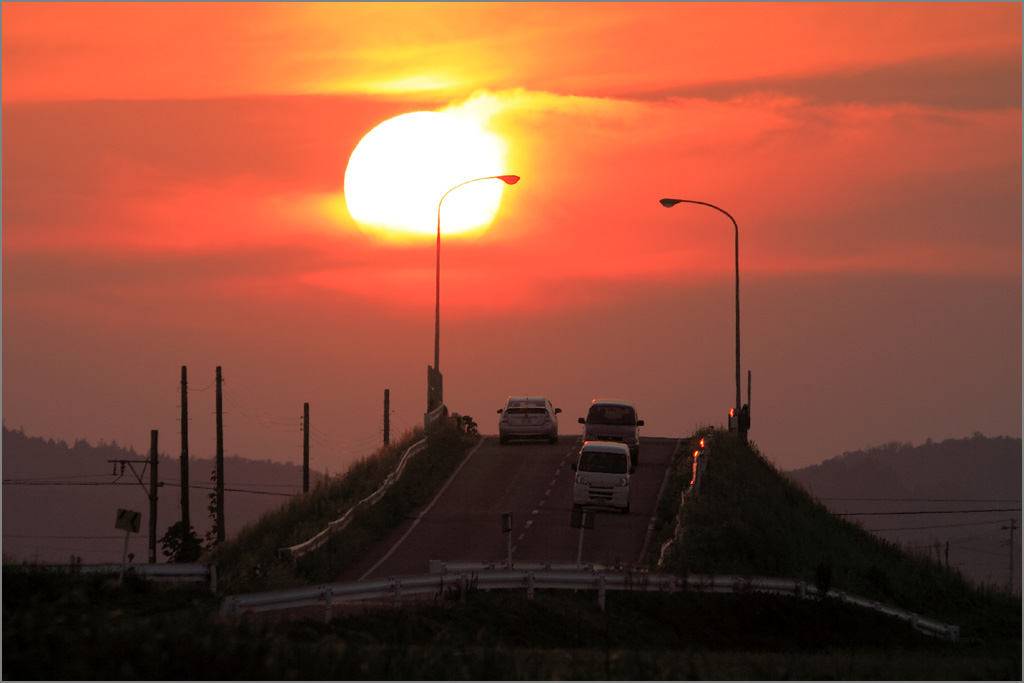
(751, 520)
(251, 561)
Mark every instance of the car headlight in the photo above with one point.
(623, 481)
(580, 479)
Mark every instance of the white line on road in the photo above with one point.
(425, 511)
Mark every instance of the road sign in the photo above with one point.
(128, 520)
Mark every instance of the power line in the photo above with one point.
(938, 526)
(927, 512)
(930, 500)
(128, 483)
(69, 538)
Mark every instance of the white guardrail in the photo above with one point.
(460, 577)
(343, 521)
(171, 571)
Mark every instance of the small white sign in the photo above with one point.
(128, 520)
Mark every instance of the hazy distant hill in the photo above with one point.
(61, 500)
(934, 495)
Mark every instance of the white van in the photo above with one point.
(602, 475)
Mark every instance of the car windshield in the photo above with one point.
(611, 415)
(599, 461)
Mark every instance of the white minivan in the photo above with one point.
(602, 475)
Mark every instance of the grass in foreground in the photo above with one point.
(140, 631)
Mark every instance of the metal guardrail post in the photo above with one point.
(227, 608)
(530, 579)
(600, 591)
(328, 597)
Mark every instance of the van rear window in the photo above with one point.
(611, 415)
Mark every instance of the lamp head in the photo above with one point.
(509, 179)
(669, 203)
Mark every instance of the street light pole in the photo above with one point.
(508, 180)
(669, 203)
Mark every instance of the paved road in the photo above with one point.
(534, 482)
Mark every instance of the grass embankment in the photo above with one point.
(251, 561)
(751, 520)
(747, 520)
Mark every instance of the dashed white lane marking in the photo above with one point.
(535, 512)
(529, 523)
(548, 492)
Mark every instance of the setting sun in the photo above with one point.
(401, 169)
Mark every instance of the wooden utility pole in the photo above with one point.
(387, 416)
(220, 460)
(153, 484)
(305, 447)
(1012, 528)
(185, 520)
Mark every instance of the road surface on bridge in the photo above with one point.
(533, 481)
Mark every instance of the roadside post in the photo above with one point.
(129, 521)
(506, 523)
(582, 520)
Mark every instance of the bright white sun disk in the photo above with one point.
(401, 169)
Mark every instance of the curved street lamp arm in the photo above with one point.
(668, 203)
(508, 180)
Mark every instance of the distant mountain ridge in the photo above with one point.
(958, 501)
(61, 500)
(975, 467)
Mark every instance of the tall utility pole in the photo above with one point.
(305, 447)
(1012, 528)
(185, 521)
(220, 460)
(153, 484)
(387, 416)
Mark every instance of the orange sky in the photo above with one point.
(173, 196)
